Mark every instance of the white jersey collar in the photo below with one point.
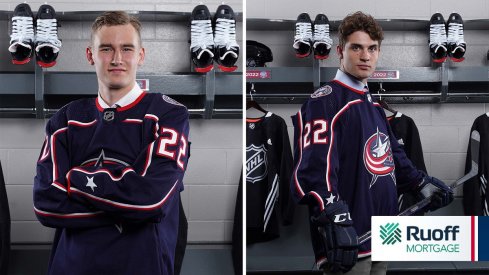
(129, 98)
(349, 80)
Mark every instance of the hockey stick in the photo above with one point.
(474, 170)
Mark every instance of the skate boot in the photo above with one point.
(322, 42)
(22, 34)
(201, 39)
(456, 43)
(47, 42)
(303, 36)
(226, 49)
(438, 38)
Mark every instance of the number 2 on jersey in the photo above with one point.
(319, 128)
(169, 139)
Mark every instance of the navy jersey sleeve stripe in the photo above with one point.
(156, 126)
(99, 171)
(53, 150)
(148, 159)
(318, 199)
(333, 123)
(81, 124)
(297, 184)
(133, 120)
(129, 206)
(66, 216)
(45, 150)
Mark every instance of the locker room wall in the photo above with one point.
(444, 128)
(214, 167)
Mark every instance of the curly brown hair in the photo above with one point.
(359, 21)
(116, 18)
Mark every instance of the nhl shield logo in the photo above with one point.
(377, 156)
(108, 115)
(256, 163)
(325, 90)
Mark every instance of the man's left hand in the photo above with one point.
(441, 194)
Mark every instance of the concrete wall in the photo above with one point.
(213, 171)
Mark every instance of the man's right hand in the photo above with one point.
(339, 237)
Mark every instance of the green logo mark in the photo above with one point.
(390, 233)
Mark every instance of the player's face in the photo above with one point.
(116, 53)
(359, 55)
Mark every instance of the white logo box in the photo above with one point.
(435, 238)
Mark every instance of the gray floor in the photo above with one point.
(199, 259)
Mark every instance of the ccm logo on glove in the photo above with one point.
(342, 217)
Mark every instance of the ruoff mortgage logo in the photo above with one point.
(390, 233)
(436, 240)
(426, 238)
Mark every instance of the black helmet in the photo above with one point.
(257, 54)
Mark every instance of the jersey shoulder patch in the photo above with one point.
(171, 100)
(322, 91)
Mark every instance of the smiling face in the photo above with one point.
(116, 52)
(359, 56)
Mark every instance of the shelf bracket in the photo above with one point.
(39, 92)
(210, 93)
(444, 82)
(316, 74)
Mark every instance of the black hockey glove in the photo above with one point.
(340, 238)
(442, 195)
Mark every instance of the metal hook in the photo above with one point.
(252, 90)
(380, 91)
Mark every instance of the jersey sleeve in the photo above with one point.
(316, 161)
(141, 190)
(52, 205)
(287, 204)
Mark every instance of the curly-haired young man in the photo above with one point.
(348, 164)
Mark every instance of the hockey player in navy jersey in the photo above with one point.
(111, 167)
(348, 164)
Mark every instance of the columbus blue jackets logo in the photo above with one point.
(171, 100)
(100, 161)
(325, 90)
(378, 158)
(256, 163)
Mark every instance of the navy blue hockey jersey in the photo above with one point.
(108, 181)
(345, 150)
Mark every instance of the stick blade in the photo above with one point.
(475, 140)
